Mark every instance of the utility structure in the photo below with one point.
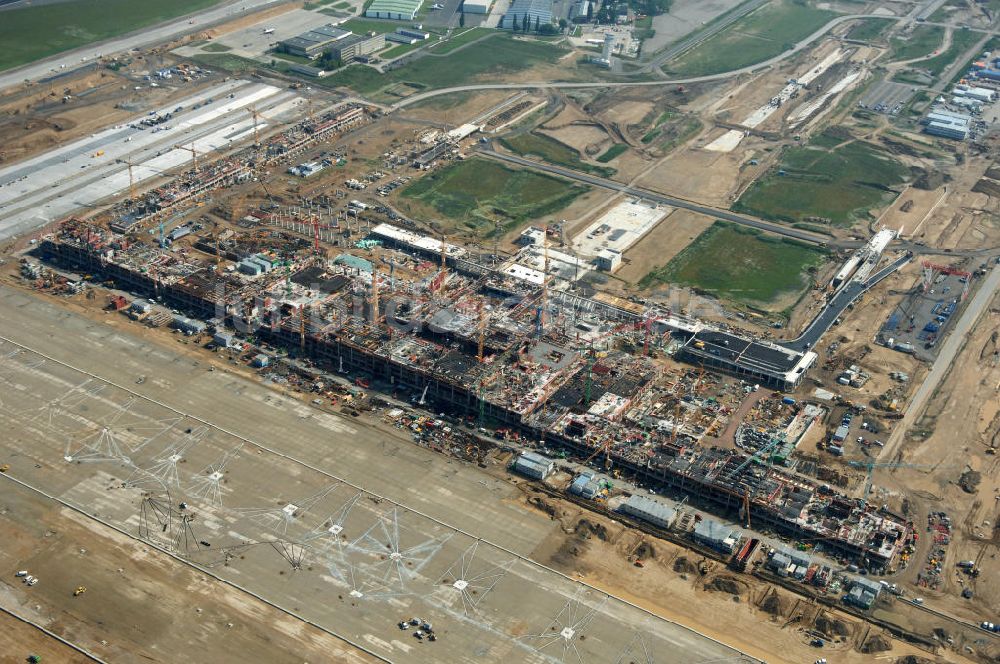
(194, 154)
(544, 303)
(131, 176)
(932, 270)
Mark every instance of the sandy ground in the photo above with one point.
(669, 584)
(22, 640)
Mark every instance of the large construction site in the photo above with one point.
(552, 374)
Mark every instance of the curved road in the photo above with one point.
(625, 84)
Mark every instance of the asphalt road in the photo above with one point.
(158, 34)
(836, 306)
(724, 215)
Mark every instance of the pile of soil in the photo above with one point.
(537, 502)
(586, 529)
(913, 659)
(725, 584)
(684, 566)
(773, 604)
(645, 551)
(835, 627)
(876, 644)
(969, 481)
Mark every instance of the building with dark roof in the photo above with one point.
(756, 360)
(313, 43)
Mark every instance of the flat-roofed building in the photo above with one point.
(315, 42)
(397, 10)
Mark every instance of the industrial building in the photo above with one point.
(715, 535)
(315, 42)
(356, 46)
(649, 510)
(397, 10)
(536, 11)
(535, 466)
(476, 6)
(947, 124)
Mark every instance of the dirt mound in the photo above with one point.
(726, 584)
(539, 503)
(969, 481)
(645, 551)
(586, 529)
(876, 644)
(684, 566)
(773, 604)
(913, 659)
(835, 627)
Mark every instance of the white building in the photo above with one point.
(608, 260)
(476, 6)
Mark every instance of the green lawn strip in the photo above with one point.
(36, 32)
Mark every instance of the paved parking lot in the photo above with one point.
(887, 97)
(923, 318)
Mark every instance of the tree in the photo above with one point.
(563, 23)
(537, 23)
(461, 20)
(513, 23)
(590, 11)
(525, 23)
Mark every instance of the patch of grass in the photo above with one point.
(487, 60)
(400, 49)
(655, 130)
(738, 263)
(922, 41)
(838, 186)
(553, 151)
(297, 59)
(461, 39)
(762, 34)
(216, 47)
(612, 153)
(227, 61)
(477, 192)
(36, 32)
(868, 29)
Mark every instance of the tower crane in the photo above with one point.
(194, 154)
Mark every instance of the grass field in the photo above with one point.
(921, 42)
(477, 192)
(487, 60)
(838, 186)
(869, 29)
(612, 153)
(737, 263)
(961, 41)
(33, 33)
(762, 34)
(461, 39)
(553, 151)
(213, 47)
